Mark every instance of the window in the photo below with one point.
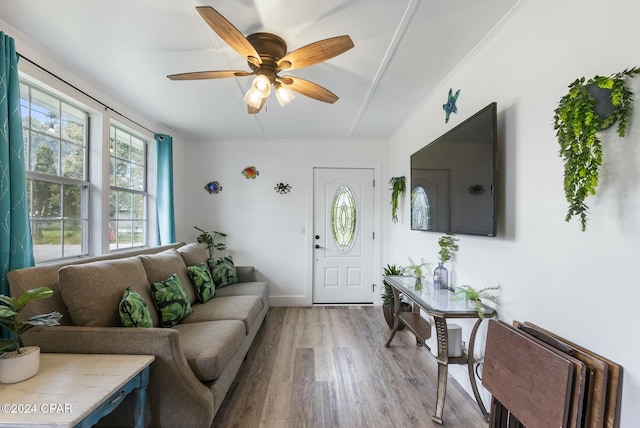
(56, 146)
(127, 189)
(420, 209)
(343, 218)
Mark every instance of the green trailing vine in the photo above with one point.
(398, 187)
(576, 125)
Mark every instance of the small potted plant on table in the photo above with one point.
(18, 362)
(448, 248)
(474, 297)
(417, 269)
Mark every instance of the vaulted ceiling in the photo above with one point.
(403, 51)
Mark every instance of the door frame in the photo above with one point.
(307, 299)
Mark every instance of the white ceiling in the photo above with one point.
(403, 51)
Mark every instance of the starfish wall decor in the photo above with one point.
(450, 106)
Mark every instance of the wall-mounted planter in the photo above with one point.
(590, 106)
(398, 187)
(603, 107)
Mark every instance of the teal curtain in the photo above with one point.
(16, 249)
(164, 200)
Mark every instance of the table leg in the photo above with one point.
(443, 365)
(396, 318)
(472, 377)
(140, 395)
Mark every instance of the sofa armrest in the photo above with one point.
(172, 383)
(246, 273)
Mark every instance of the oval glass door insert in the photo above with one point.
(343, 218)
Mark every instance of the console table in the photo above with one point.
(440, 304)
(75, 390)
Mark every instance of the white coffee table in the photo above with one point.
(75, 390)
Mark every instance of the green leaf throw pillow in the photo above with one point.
(202, 282)
(223, 271)
(133, 310)
(170, 300)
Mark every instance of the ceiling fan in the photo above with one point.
(267, 56)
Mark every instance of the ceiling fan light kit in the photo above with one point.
(261, 86)
(284, 94)
(253, 99)
(266, 55)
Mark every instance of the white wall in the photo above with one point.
(581, 285)
(266, 229)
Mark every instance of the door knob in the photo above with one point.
(317, 246)
(317, 236)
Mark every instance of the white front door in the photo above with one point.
(343, 235)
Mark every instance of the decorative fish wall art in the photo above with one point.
(213, 187)
(250, 172)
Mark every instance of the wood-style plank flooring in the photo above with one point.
(328, 367)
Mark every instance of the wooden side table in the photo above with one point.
(75, 390)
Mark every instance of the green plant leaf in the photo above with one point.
(6, 312)
(31, 295)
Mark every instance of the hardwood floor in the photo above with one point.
(328, 367)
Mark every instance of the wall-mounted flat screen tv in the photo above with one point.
(453, 179)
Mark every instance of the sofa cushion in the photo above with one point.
(92, 291)
(133, 310)
(162, 265)
(223, 271)
(256, 288)
(240, 308)
(210, 346)
(170, 300)
(193, 254)
(202, 282)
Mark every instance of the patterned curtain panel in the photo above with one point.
(164, 201)
(16, 250)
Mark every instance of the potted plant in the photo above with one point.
(388, 301)
(398, 187)
(577, 121)
(473, 296)
(208, 239)
(18, 363)
(448, 248)
(417, 269)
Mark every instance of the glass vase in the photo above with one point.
(441, 277)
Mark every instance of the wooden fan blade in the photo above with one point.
(316, 52)
(219, 74)
(253, 110)
(310, 89)
(229, 34)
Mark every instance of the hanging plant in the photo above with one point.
(576, 122)
(398, 187)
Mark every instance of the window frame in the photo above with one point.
(32, 176)
(117, 126)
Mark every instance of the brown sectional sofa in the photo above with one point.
(196, 360)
